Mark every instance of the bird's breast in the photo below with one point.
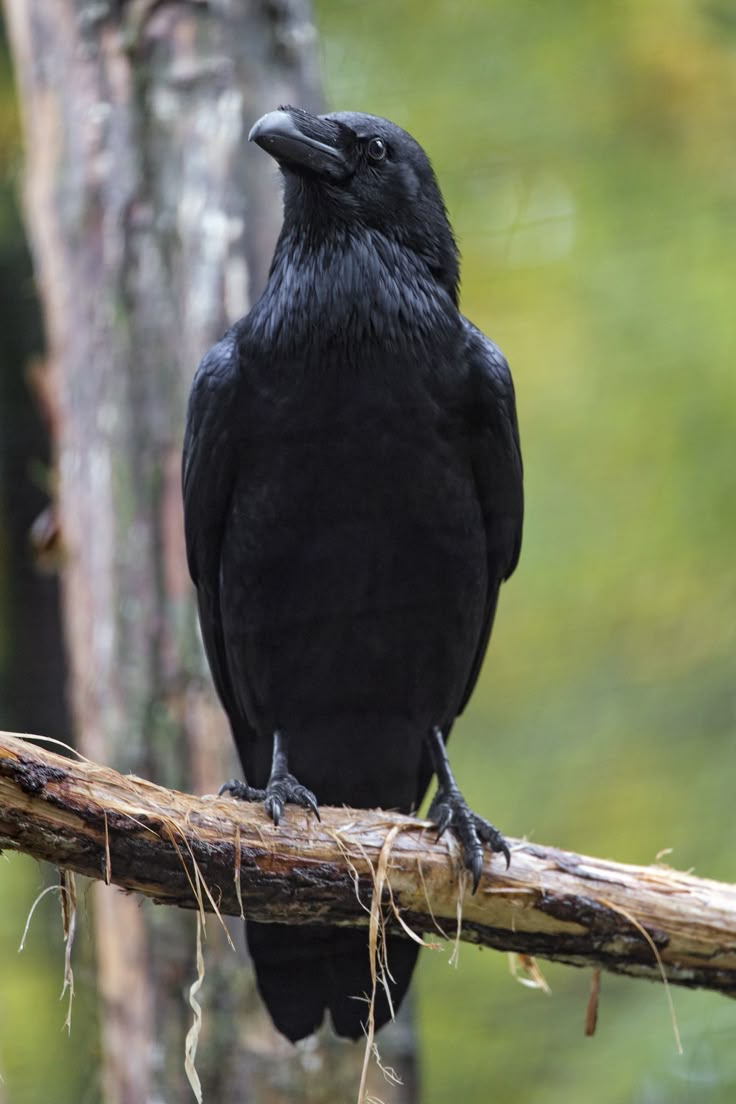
(354, 563)
(345, 506)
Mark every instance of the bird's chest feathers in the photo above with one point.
(351, 400)
(354, 302)
(355, 455)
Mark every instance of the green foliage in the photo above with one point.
(39, 1062)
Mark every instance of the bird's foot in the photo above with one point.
(286, 790)
(449, 809)
(281, 790)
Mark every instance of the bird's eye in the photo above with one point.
(377, 150)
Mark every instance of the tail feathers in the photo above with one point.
(304, 971)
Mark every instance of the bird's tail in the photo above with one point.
(304, 972)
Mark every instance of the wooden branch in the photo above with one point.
(553, 904)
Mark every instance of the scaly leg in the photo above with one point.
(450, 809)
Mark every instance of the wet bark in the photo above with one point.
(151, 229)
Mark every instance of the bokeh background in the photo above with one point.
(588, 159)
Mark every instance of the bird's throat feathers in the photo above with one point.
(350, 288)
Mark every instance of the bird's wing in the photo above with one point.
(496, 455)
(208, 477)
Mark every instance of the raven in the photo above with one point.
(353, 500)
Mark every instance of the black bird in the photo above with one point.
(353, 501)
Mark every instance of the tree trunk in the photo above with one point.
(151, 229)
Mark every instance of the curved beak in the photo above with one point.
(297, 139)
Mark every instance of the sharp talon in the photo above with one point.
(476, 869)
(274, 808)
(472, 853)
(494, 838)
(311, 803)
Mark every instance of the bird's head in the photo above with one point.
(364, 172)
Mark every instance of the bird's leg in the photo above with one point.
(450, 809)
(282, 788)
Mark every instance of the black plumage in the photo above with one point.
(353, 501)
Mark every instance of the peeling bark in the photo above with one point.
(553, 904)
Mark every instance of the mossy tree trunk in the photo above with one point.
(151, 227)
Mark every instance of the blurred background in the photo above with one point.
(588, 160)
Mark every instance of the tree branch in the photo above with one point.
(553, 904)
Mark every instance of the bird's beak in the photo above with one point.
(297, 139)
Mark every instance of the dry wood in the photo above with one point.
(550, 903)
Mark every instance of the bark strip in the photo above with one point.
(179, 850)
